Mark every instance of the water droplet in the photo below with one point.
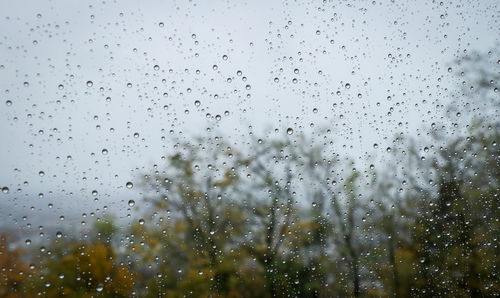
(131, 203)
(5, 189)
(289, 131)
(129, 185)
(41, 173)
(156, 67)
(100, 287)
(90, 83)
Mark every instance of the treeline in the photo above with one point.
(289, 219)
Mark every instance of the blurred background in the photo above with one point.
(249, 149)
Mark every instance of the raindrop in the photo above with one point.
(131, 203)
(129, 185)
(289, 131)
(90, 83)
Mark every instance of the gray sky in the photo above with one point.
(353, 61)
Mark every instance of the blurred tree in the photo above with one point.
(13, 270)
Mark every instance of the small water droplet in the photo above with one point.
(100, 287)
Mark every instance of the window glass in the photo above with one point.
(249, 148)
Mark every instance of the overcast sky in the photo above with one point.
(126, 78)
